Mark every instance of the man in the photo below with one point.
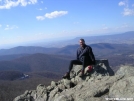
(85, 57)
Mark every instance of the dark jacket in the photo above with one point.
(87, 52)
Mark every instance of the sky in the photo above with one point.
(24, 21)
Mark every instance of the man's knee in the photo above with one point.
(72, 61)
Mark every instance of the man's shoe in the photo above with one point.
(66, 75)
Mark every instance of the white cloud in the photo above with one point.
(11, 27)
(33, 1)
(122, 3)
(52, 15)
(0, 25)
(7, 4)
(55, 14)
(128, 12)
(40, 17)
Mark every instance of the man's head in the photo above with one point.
(82, 42)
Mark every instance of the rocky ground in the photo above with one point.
(99, 85)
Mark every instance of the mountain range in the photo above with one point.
(99, 49)
(120, 38)
(58, 61)
(42, 59)
(124, 40)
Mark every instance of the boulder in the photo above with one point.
(90, 89)
(100, 68)
(127, 70)
(123, 88)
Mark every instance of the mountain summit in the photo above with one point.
(99, 85)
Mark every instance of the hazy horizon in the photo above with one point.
(43, 43)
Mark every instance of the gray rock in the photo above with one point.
(50, 88)
(61, 87)
(85, 90)
(101, 68)
(64, 98)
(97, 85)
(75, 70)
(53, 84)
(123, 88)
(53, 93)
(126, 70)
(67, 83)
(41, 90)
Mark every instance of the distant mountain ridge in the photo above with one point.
(58, 61)
(122, 38)
(69, 46)
(98, 49)
(27, 49)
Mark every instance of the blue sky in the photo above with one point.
(23, 21)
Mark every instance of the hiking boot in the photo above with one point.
(67, 75)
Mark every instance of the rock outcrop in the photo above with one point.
(100, 84)
(124, 88)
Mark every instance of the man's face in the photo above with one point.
(82, 43)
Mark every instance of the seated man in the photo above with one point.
(85, 57)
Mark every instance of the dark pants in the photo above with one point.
(84, 63)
